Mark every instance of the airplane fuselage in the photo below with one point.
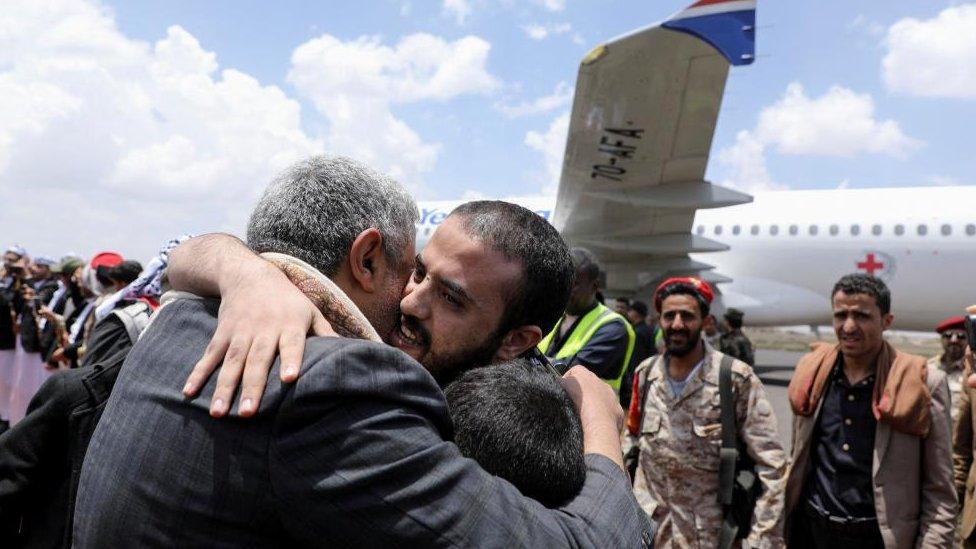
(787, 249)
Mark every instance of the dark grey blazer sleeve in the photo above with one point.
(358, 456)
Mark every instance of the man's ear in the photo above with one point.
(517, 341)
(886, 321)
(366, 259)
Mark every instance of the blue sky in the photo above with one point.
(817, 44)
(465, 98)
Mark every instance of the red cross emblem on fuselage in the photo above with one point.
(870, 265)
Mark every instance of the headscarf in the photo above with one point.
(702, 288)
(901, 397)
(148, 286)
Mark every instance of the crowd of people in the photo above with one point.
(471, 394)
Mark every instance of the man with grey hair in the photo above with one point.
(355, 452)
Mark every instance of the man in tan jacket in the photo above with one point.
(871, 462)
(962, 456)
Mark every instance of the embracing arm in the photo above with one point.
(210, 264)
(359, 456)
(262, 315)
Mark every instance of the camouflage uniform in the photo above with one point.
(955, 378)
(680, 442)
(737, 345)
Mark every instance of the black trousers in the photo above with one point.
(810, 531)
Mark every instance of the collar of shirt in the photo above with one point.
(678, 387)
(841, 378)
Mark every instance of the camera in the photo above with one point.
(970, 324)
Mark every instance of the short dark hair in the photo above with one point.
(524, 236)
(860, 283)
(622, 300)
(586, 265)
(683, 288)
(518, 423)
(124, 272)
(734, 321)
(638, 307)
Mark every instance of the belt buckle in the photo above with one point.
(839, 521)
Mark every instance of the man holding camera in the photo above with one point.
(871, 465)
(675, 427)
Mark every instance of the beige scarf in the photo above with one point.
(901, 396)
(344, 316)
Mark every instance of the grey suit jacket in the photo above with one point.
(355, 453)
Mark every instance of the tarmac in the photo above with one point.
(775, 368)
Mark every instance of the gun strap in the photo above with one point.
(729, 452)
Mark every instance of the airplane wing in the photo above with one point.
(643, 117)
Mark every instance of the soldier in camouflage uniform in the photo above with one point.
(677, 427)
(950, 360)
(733, 342)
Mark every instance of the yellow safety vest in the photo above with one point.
(584, 330)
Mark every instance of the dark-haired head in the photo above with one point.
(524, 236)
(585, 293)
(683, 313)
(682, 288)
(518, 423)
(860, 283)
(861, 309)
(491, 282)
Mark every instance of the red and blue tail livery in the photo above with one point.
(728, 25)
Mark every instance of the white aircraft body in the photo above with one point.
(786, 249)
(633, 191)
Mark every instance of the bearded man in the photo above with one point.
(952, 333)
(675, 423)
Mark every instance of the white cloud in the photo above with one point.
(552, 5)
(863, 25)
(839, 123)
(934, 57)
(541, 32)
(560, 97)
(459, 9)
(124, 143)
(745, 162)
(111, 142)
(355, 84)
(472, 194)
(551, 144)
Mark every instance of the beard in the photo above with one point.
(955, 353)
(446, 365)
(681, 342)
(449, 366)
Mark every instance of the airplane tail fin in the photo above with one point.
(728, 25)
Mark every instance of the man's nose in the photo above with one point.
(677, 323)
(849, 325)
(416, 300)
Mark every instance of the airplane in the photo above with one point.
(632, 190)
